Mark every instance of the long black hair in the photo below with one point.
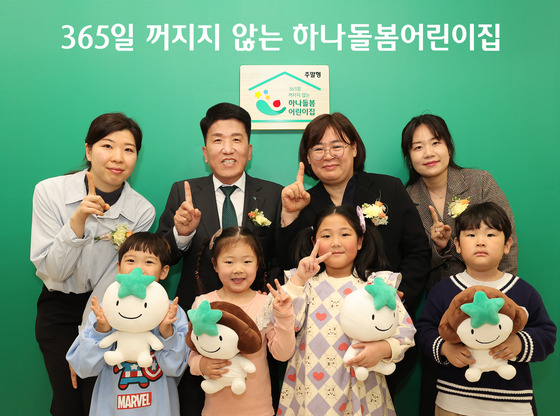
(370, 258)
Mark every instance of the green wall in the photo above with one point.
(500, 107)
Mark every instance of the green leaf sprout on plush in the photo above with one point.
(134, 284)
(483, 310)
(204, 319)
(383, 294)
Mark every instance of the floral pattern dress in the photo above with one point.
(317, 382)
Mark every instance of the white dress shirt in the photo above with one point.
(237, 198)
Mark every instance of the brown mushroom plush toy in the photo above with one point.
(222, 330)
(482, 317)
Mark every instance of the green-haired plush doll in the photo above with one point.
(223, 330)
(370, 314)
(133, 305)
(482, 317)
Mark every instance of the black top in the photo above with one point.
(406, 244)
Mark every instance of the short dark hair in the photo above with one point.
(108, 123)
(225, 111)
(148, 243)
(372, 255)
(345, 131)
(489, 212)
(439, 129)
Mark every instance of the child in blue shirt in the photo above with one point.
(127, 388)
(483, 237)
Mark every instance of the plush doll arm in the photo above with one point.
(172, 358)
(245, 364)
(404, 337)
(109, 340)
(154, 341)
(85, 355)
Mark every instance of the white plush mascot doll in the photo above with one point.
(481, 318)
(133, 305)
(370, 314)
(222, 330)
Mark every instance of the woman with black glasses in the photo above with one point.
(332, 152)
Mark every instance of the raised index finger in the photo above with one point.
(91, 185)
(188, 196)
(434, 214)
(301, 173)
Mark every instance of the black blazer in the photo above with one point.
(261, 194)
(406, 244)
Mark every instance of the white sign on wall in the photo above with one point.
(284, 97)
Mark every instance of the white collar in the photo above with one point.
(240, 183)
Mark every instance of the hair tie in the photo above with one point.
(361, 218)
(213, 239)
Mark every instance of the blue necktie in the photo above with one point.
(229, 217)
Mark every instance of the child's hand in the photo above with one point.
(371, 354)
(91, 204)
(213, 368)
(166, 326)
(508, 349)
(102, 324)
(440, 233)
(457, 354)
(309, 266)
(282, 301)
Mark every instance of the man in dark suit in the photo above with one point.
(197, 208)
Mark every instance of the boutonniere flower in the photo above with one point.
(457, 206)
(376, 212)
(116, 237)
(258, 218)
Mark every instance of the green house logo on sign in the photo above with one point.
(284, 97)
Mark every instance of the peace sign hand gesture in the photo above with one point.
(440, 233)
(309, 266)
(187, 217)
(282, 301)
(92, 204)
(294, 198)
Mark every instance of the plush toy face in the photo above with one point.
(360, 320)
(134, 314)
(222, 346)
(485, 336)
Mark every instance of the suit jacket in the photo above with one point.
(405, 242)
(480, 186)
(260, 194)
